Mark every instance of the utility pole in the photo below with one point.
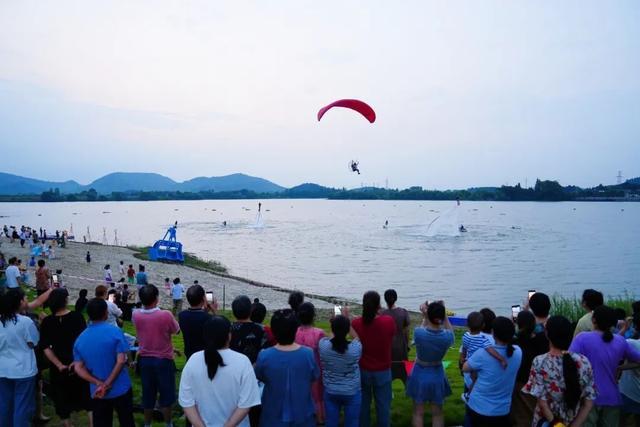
(619, 177)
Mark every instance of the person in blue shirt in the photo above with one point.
(100, 358)
(141, 277)
(489, 403)
(287, 371)
(428, 382)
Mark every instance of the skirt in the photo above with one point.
(428, 384)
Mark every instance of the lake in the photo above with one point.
(340, 248)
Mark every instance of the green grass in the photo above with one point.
(571, 307)
(401, 406)
(190, 260)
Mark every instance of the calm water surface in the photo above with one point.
(340, 247)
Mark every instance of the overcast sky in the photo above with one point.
(467, 93)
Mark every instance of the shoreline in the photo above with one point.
(78, 274)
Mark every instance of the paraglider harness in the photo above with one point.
(354, 167)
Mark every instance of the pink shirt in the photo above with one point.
(310, 337)
(154, 328)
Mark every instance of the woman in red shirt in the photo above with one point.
(376, 334)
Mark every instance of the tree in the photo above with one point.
(92, 195)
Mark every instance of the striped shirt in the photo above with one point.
(471, 342)
(340, 372)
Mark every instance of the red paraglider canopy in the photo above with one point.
(353, 104)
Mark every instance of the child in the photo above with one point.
(131, 275)
(121, 269)
(107, 275)
(88, 257)
(176, 294)
(52, 253)
(167, 286)
(473, 340)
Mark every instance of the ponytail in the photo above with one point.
(605, 319)
(216, 337)
(213, 359)
(503, 331)
(572, 389)
(340, 326)
(370, 306)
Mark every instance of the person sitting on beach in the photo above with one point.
(218, 385)
(154, 328)
(309, 336)
(100, 358)
(490, 399)
(400, 345)
(605, 351)
(376, 335)
(561, 381)
(287, 371)
(428, 382)
(591, 299)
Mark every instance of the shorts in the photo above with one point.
(158, 376)
(131, 280)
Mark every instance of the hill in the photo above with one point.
(18, 185)
(138, 181)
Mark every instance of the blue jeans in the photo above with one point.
(333, 403)
(378, 385)
(17, 402)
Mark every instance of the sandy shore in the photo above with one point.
(78, 274)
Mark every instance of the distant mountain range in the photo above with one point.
(133, 181)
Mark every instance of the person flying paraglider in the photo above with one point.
(354, 167)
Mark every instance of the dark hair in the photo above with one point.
(560, 332)
(241, 307)
(475, 321)
(592, 299)
(370, 306)
(489, 316)
(107, 266)
(503, 331)
(390, 297)
(284, 325)
(176, 280)
(57, 300)
(306, 313)
(635, 307)
(526, 322)
(148, 294)
(436, 313)
(605, 319)
(636, 325)
(130, 265)
(258, 312)
(540, 304)
(620, 313)
(216, 335)
(96, 309)
(12, 260)
(41, 263)
(167, 280)
(141, 267)
(340, 326)
(101, 291)
(83, 293)
(295, 299)
(195, 295)
(10, 305)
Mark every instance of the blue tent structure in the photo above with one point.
(169, 250)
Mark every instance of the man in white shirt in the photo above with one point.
(12, 273)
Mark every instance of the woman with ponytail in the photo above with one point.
(218, 385)
(428, 383)
(561, 381)
(605, 351)
(340, 373)
(376, 334)
(489, 403)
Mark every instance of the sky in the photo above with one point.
(467, 93)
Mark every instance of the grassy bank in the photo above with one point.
(571, 307)
(190, 260)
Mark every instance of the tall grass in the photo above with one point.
(571, 307)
